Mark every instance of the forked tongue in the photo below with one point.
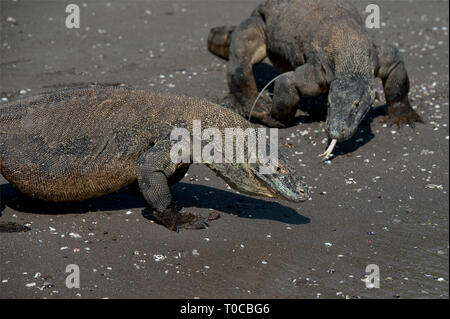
(326, 155)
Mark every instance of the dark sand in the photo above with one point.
(384, 201)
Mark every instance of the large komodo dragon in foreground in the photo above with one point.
(324, 47)
(72, 145)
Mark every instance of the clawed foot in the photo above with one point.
(175, 220)
(243, 105)
(401, 114)
(266, 119)
(260, 112)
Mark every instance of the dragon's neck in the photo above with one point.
(352, 54)
(353, 63)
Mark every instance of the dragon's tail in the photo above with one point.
(219, 39)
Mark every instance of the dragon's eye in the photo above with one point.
(356, 104)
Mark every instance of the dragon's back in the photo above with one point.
(295, 29)
(306, 16)
(74, 144)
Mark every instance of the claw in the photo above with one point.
(327, 154)
(403, 114)
(201, 224)
(262, 91)
(175, 220)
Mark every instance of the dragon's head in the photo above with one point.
(350, 98)
(247, 178)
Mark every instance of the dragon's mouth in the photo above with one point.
(250, 181)
(291, 190)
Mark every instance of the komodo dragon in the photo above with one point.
(77, 144)
(324, 48)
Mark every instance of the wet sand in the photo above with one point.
(382, 200)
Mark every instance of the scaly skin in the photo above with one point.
(73, 145)
(324, 48)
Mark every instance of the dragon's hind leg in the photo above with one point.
(247, 48)
(244, 46)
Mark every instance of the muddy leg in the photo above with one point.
(246, 49)
(153, 169)
(395, 79)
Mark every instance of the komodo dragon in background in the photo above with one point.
(324, 48)
(77, 144)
